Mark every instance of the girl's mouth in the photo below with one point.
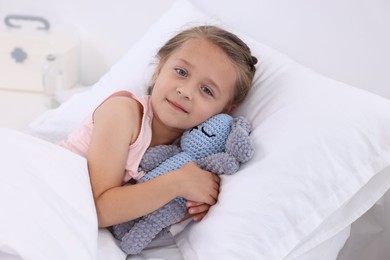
(176, 106)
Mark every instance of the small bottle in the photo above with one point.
(53, 79)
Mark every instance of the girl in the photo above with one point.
(202, 71)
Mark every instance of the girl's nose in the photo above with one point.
(185, 91)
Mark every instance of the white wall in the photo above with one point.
(106, 28)
(345, 39)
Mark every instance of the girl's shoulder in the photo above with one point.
(123, 93)
(120, 104)
(120, 115)
(125, 96)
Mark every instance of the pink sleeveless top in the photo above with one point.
(79, 140)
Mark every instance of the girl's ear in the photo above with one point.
(154, 78)
(157, 72)
(230, 109)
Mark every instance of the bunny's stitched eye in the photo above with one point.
(195, 127)
(207, 134)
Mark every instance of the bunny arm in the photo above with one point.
(120, 230)
(154, 156)
(151, 225)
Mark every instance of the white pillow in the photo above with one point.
(320, 145)
(47, 208)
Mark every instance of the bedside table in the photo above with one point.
(19, 108)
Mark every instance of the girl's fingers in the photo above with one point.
(191, 203)
(199, 211)
(199, 217)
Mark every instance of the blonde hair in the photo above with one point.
(237, 51)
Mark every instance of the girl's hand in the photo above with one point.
(198, 185)
(197, 210)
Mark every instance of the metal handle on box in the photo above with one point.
(8, 21)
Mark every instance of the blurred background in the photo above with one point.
(343, 39)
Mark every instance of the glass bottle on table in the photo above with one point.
(52, 79)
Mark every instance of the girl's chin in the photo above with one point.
(172, 120)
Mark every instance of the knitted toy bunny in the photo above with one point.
(218, 145)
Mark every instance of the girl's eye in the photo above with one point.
(181, 72)
(207, 91)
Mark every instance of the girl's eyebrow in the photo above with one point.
(185, 61)
(213, 84)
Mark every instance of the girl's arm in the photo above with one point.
(116, 125)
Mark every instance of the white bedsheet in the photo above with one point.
(165, 248)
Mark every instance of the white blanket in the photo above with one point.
(46, 203)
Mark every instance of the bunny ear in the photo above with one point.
(241, 122)
(239, 144)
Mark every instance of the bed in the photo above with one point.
(315, 189)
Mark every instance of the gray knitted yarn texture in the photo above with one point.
(203, 140)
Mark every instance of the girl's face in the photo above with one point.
(195, 83)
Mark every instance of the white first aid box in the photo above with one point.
(27, 50)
